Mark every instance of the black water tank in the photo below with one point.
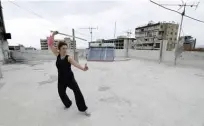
(7, 36)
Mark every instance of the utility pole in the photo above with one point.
(115, 30)
(74, 45)
(161, 48)
(183, 5)
(128, 43)
(91, 31)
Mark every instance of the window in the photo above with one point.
(146, 39)
(175, 39)
(175, 33)
(171, 33)
(170, 39)
(157, 45)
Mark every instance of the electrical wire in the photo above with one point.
(177, 11)
(82, 33)
(34, 13)
(30, 11)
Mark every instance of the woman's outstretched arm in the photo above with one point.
(74, 63)
(51, 42)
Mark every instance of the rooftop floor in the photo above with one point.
(126, 93)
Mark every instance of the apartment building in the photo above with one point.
(44, 44)
(149, 36)
(189, 42)
(121, 42)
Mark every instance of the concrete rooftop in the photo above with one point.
(126, 93)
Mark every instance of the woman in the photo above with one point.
(66, 76)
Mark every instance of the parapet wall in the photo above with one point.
(195, 59)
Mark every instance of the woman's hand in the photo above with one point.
(51, 43)
(54, 32)
(86, 67)
(74, 63)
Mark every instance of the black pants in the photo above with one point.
(72, 84)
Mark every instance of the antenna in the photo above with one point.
(197, 5)
(183, 14)
(90, 30)
(115, 29)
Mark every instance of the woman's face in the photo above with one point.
(63, 49)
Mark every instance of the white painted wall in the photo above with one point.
(144, 54)
(1, 54)
(195, 59)
(120, 52)
(28, 55)
(4, 50)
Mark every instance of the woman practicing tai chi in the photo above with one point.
(66, 76)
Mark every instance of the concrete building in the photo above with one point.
(4, 51)
(30, 48)
(21, 48)
(148, 37)
(44, 44)
(17, 47)
(121, 42)
(189, 42)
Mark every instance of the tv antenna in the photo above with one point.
(183, 14)
(91, 31)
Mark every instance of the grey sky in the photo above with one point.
(27, 28)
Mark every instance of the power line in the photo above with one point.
(38, 15)
(82, 33)
(181, 24)
(162, 5)
(34, 13)
(90, 30)
(26, 9)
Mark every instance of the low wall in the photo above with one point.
(195, 59)
(29, 55)
(120, 53)
(145, 54)
(32, 55)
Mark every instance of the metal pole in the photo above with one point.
(91, 33)
(1, 45)
(127, 46)
(115, 30)
(161, 48)
(177, 45)
(74, 44)
(71, 36)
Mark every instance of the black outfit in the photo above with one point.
(66, 79)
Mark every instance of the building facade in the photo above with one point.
(30, 48)
(4, 50)
(149, 36)
(44, 43)
(121, 42)
(189, 42)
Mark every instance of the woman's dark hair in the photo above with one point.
(60, 44)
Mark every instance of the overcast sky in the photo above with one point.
(27, 28)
